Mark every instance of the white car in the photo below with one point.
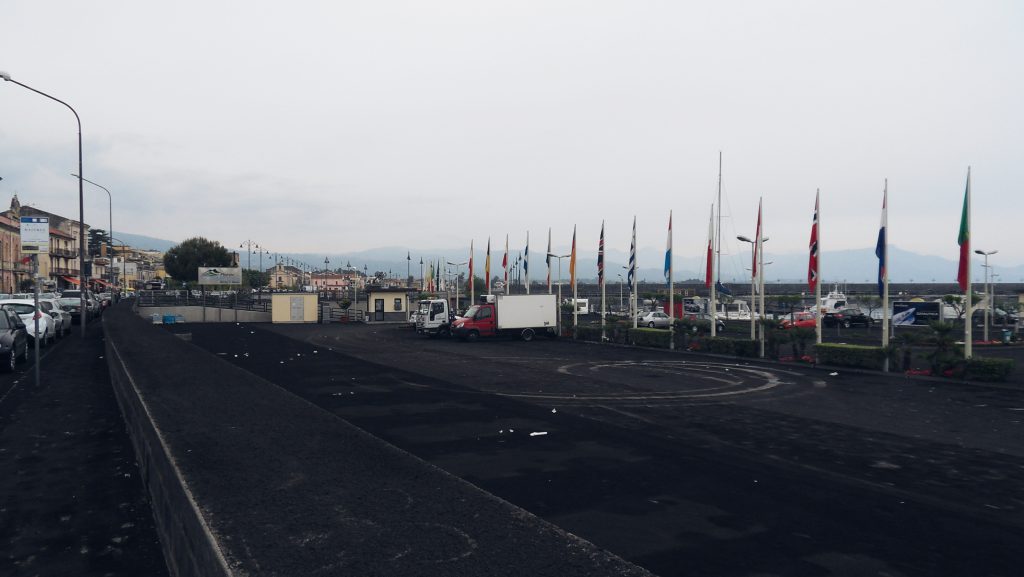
(27, 310)
(654, 319)
(61, 317)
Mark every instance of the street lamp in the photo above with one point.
(988, 305)
(248, 245)
(81, 199)
(559, 309)
(457, 283)
(110, 207)
(742, 238)
(621, 280)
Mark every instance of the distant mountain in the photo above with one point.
(143, 242)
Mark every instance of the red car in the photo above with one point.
(799, 320)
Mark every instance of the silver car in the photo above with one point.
(61, 317)
(654, 320)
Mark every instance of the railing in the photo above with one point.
(64, 252)
(177, 298)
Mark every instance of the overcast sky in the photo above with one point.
(340, 126)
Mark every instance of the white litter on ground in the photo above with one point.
(554, 410)
(833, 374)
(537, 434)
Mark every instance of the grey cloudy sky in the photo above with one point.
(340, 126)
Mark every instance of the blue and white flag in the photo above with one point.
(526, 262)
(881, 245)
(668, 252)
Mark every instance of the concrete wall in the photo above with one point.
(194, 314)
(281, 305)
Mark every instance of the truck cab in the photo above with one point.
(434, 318)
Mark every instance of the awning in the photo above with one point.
(100, 281)
(71, 280)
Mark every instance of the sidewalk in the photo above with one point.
(71, 499)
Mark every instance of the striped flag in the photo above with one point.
(572, 259)
(487, 266)
(964, 239)
(526, 262)
(710, 266)
(880, 246)
(757, 242)
(631, 275)
(600, 258)
(812, 262)
(548, 260)
(504, 263)
(668, 252)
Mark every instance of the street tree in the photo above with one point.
(182, 262)
(97, 238)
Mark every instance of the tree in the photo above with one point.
(871, 302)
(97, 238)
(182, 262)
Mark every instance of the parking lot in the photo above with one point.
(685, 465)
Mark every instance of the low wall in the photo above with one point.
(248, 479)
(193, 314)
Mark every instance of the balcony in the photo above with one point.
(64, 252)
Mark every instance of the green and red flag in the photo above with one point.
(964, 240)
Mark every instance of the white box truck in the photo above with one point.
(524, 316)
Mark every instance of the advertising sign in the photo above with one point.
(915, 313)
(219, 275)
(35, 235)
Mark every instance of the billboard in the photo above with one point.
(915, 313)
(35, 235)
(219, 275)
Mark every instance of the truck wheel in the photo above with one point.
(444, 331)
(527, 335)
(473, 336)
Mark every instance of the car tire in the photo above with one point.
(24, 355)
(11, 362)
(846, 324)
(651, 324)
(473, 336)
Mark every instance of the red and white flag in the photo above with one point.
(812, 262)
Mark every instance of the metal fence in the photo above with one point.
(225, 299)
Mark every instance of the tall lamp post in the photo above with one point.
(124, 266)
(326, 262)
(248, 246)
(81, 199)
(988, 306)
(559, 307)
(621, 280)
(110, 207)
(457, 283)
(753, 320)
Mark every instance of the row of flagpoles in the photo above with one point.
(434, 281)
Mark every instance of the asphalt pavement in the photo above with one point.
(71, 500)
(683, 464)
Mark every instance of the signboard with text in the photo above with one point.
(219, 275)
(35, 235)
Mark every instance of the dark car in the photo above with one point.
(13, 340)
(847, 318)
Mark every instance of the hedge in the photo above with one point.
(988, 369)
(865, 357)
(658, 338)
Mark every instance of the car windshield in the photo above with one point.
(471, 313)
(71, 294)
(21, 309)
(66, 301)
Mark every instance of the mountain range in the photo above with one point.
(854, 266)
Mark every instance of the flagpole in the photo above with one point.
(968, 338)
(600, 279)
(671, 288)
(710, 273)
(572, 272)
(885, 274)
(760, 272)
(548, 260)
(526, 263)
(472, 284)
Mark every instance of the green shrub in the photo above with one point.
(861, 356)
(590, 333)
(988, 369)
(658, 338)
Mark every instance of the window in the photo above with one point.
(485, 313)
(398, 304)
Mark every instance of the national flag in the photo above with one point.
(631, 274)
(757, 242)
(812, 262)
(504, 263)
(710, 266)
(600, 258)
(470, 279)
(880, 246)
(722, 289)
(572, 259)
(526, 262)
(964, 240)
(487, 266)
(548, 260)
(668, 252)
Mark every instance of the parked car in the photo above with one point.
(802, 319)
(13, 340)
(27, 311)
(654, 319)
(846, 318)
(61, 317)
(91, 301)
